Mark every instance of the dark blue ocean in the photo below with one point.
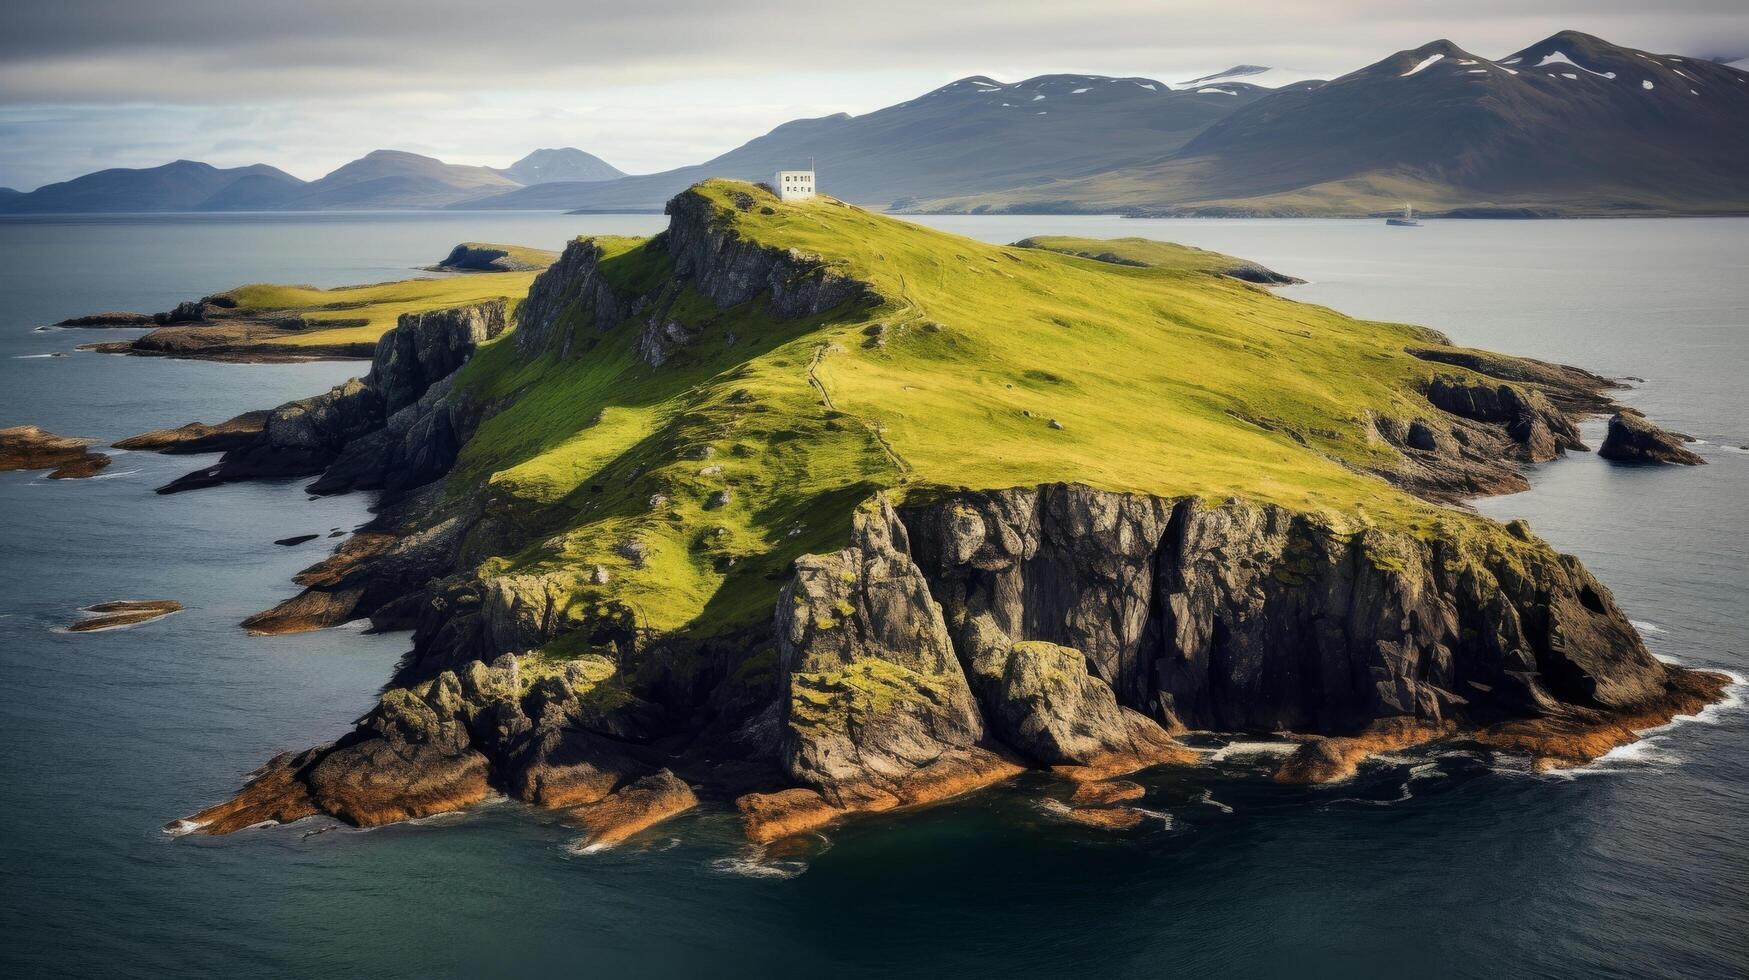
(1428, 864)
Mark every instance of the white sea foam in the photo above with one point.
(1208, 799)
(1646, 626)
(1243, 750)
(751, 863)
(182, 828)
(1402, 797)
(1163, 817)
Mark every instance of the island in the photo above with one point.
(271, 323)
(811, 512)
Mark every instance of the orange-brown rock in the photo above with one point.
(109, 615)
(200, 437)
(274, 794)
(1107, 792)
(568, 767)
(333, 588)
(633, 807)
(30, 447)
(1328, 760)
(1580, 736)
(1113, 764)
(769, 816)
(1105, 818)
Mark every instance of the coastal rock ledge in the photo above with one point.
(851, 638)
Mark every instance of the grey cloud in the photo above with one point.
(213, 50)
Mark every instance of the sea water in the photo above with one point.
(1442, 865)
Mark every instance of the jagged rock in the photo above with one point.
(569, 286)
(1039, 698)
(1632, 438)
(373, 569)
(875, 689)
(1539, 430)
(732, 271)
(425, 348)
(1011, 556)
(190, 311)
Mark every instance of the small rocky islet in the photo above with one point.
(30, 447)
(123, 612)
(669, 533)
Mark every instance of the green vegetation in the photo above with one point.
(990, 367)
(1139, 251)
(360, 314)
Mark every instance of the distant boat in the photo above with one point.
(1408, 220)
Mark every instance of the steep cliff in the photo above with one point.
(824, 513)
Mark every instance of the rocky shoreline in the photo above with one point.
(959, 638)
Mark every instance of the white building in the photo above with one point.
(795, 185)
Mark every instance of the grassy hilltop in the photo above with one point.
(1135, 495)
(986, 367)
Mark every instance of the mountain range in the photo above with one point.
(1572, 125)
(382, 179)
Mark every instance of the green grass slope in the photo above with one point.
(360, 314)
(677, 496)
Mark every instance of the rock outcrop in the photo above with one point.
(1634, 439)
(29, 447)
(199, 437)
(444, 744)
(478, 257)
(879, 713)
(124, 612)
(305, 437)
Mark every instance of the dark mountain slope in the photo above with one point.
(971, 136)
(184, 185)
(396, 179)
(1570, 124)
(569, 163)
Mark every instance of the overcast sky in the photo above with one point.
(650, 84)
